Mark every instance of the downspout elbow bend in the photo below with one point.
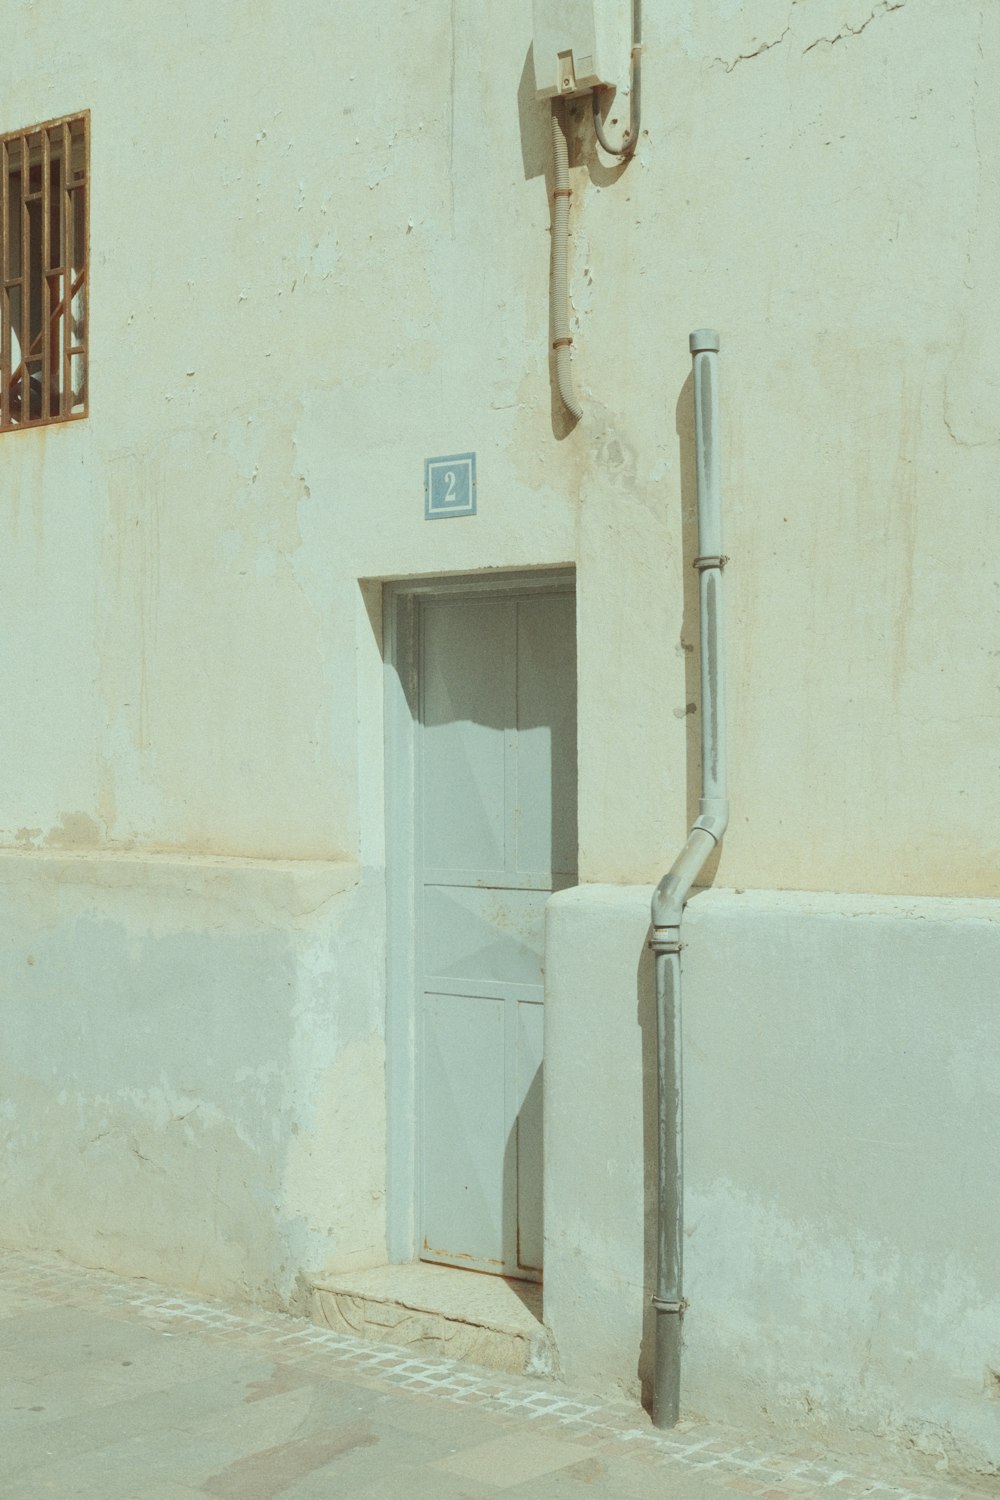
(674, 889)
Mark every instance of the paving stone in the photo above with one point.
(116, 1390)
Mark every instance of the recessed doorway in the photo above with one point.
(482, 828)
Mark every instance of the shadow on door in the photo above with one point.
(489, 679)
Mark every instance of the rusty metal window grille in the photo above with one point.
(43, 272)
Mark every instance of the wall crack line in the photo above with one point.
(968, 279)
(759, 51)
(884, 9)
(962, 442)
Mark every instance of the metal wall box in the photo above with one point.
(580, 44)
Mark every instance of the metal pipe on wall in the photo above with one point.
(675, 887)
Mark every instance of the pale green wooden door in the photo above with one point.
(495, 804)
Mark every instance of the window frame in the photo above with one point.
(47, 374)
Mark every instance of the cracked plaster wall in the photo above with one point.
(192, 1053)
(305, 281)
(319, 255)
(841, 1077)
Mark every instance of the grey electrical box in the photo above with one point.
(579, 45)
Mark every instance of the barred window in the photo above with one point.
(43, 272)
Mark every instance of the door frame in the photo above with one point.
(401, 655)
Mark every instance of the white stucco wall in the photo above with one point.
(192, 1051)
(319, 254)
(841, 1080)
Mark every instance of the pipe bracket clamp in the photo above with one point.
(663, 1306)
(712, 561)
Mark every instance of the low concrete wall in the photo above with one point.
(842, 1134)
(191, 1089)
(192, 1072)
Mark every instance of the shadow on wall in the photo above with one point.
(533, 118)
(523, 1166)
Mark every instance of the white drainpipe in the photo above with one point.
(675, 887)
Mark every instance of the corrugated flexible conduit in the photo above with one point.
(561, 338)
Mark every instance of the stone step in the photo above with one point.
(488, 1320)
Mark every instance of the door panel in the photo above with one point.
(530, 1018)
(465, 1115)
(473, 933)
(545, 812)
(466, 698)
(495, 833)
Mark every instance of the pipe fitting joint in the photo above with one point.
(704, 341)
(675, 887)
(713, 816)
(665, 940)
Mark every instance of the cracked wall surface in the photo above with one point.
(841, 1070)
(320, 255)
(192, 1051)
(357, 280)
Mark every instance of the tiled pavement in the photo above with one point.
(115, 1390)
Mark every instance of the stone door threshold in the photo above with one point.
(465, 1315)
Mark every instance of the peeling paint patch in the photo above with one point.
(76, 831)
(347, 1109)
